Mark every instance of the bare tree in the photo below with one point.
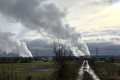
(62, 58)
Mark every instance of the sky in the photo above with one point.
(96, 20)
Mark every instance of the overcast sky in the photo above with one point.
(97, 20)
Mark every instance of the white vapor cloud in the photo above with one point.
(46, 19)
(9, 44)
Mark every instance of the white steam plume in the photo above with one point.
(9, 44)
(46, 19)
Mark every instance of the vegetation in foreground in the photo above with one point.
(87, 76)
(106, 70)
(69, 73)
(67, 68)
(12, 71)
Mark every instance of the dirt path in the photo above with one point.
(86, 68)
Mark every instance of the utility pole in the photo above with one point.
(36, 55)
(96, 52)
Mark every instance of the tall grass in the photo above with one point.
(105, 70)
(70, 73)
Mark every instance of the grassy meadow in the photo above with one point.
(22, 71)
(37, 70)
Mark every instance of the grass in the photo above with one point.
(70, 72)
(10, 70)
(106, 70)
(116, 61)
(33, 63)
(87, 76)
(99, 61)
(34, 75)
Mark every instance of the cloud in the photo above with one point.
(98, 39)
(104, 48)
(44, 47)
(34, 16)
(93, 15)
(99, 2)
(46, 19)
(97, 17)
(109, 32)
(9, 44)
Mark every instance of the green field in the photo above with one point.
(37, 70)
(12, 70)
(33, 63)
